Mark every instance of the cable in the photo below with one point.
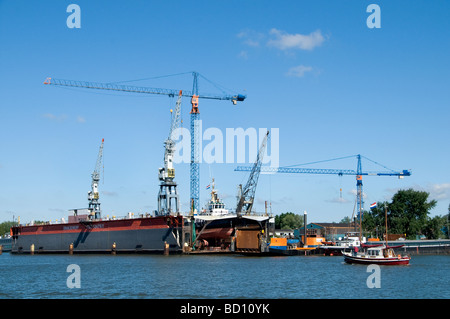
(151, 78)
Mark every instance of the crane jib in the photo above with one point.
(340, 172)
(139, 89)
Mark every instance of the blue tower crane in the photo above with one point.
(359, 173)
(195, 116)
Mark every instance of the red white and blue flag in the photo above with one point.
(374, 205)
(208, 187)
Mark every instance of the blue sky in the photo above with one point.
(313, 69)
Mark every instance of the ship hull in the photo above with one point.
(146, 235)
(377, 261)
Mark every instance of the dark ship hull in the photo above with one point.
(148, 234)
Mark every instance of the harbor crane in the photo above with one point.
(359, 173)
(93, 195)
(168, 188)
(247, 194)
(195, 116)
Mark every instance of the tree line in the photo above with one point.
(407, 214)
(5, 227)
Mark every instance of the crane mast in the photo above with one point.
(194, 166)
(168, 200)
(93, 195)
(247, 194)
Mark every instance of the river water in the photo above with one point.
(214, 276)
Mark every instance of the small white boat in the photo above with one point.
(378, 254)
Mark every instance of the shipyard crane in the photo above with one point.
(359, 173)
(247, 194)
(93, 196)
(168, 188)
(195, 116)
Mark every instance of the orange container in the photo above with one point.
(313, 241)
(278, 241)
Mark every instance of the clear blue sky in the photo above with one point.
(313, 69)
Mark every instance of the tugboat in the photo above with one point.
(215, 222)
(376, 254)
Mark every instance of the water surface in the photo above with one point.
(211, 277)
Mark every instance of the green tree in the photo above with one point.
(435, 227)
(447, 224)
(345, 220)
(288, 220)
(373, 221)
(408, 212)
(5, 227)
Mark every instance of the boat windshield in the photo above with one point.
(373, 252)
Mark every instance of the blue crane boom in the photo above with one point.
(268, 169)
(358, 173)
(195, 116)
(140, 89)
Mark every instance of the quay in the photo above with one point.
(423, 247)
(410, 247)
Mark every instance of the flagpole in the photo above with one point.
(385, 219)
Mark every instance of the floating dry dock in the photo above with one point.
(153, 234)
(246, 234)
(144, 234)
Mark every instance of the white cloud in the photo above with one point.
(439, 191)
(53, 117)
(286, 41)
(436, 191)
(339, 200)
(62, 118)
(243, 55)
(279, 201)
(81, 119)
(299, 71)
(251, 38)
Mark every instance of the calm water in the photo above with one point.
(201, 277)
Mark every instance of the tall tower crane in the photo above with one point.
(359, 173)
(247, 194)
(195, 116)
(168, 188)
(93, 196)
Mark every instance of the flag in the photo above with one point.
(374, 205)
(208, 187)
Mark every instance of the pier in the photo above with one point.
(423, 247)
